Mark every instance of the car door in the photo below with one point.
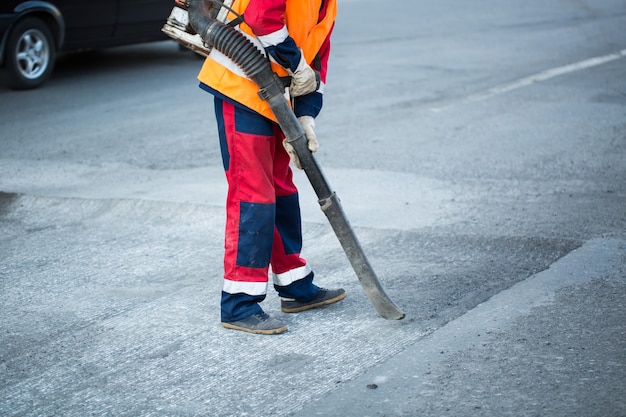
(142, 19)
(87, 23)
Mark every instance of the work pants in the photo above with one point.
(263, 223)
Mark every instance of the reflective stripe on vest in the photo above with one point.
(222, 74)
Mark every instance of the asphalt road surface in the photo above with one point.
(479, 151)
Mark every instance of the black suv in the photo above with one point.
(32, 32)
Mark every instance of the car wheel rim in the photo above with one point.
(33, 54)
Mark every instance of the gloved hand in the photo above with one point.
(303, 79)
(308, 125)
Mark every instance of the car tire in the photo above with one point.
(30, 54)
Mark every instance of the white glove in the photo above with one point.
(308, 125)
(303, 80)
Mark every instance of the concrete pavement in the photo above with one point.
(118, 316)
(552, 345)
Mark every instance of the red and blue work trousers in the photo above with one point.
(263, 223)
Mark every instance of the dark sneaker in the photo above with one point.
(323, 297)
(259, 323)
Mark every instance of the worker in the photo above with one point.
(263, 222)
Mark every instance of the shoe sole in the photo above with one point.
(316, 305)
(255, 331)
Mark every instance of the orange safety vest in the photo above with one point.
(301, 18)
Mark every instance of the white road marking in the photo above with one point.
(540, 76)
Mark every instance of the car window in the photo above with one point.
(142, 17)
(87, 20)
